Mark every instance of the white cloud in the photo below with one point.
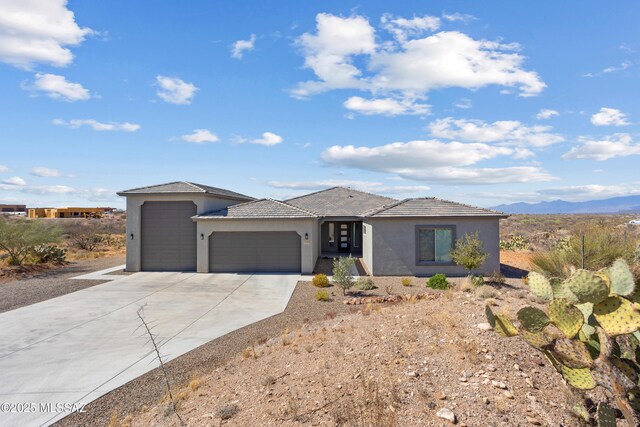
(268, 139)
(38, 31)
(3, 168)
(175, 91)
(464, 103)
(98, 126)
(376, 187)
(609, 117)
(200, 136)
(608, 147)
(57, 87)
(45, 172)
(416, 160)
(623, 66)
(546, 113)
(409, 66)
(239, 47)
(15, 180)
(385, 106)
(590, 191)
(461, 17)
(504, 132)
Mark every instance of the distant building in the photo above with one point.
(13, 209)
(68, 212)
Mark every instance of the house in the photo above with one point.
(68, 212)
(13, 209)
(182, 226)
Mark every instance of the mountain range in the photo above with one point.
(625, 204)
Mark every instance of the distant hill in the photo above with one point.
(626, 204)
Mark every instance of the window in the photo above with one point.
(434, 244)
(332, 233)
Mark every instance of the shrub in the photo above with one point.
(485, 292)
(17, 237)
(342, 273)
(476, 280)
(439, 281)
(227, 412)
(85, 235)
(515, 243)
(365, 284)
(497, 278)
(406, 281)
(320, 281)
(322, 296)
(469, 252)
(49, 253)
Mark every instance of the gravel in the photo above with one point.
(46, 284)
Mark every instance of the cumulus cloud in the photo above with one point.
(57, 87)
(200, 136)
(370, 186)
(268, 139)
(38, 32)
(410, 65)
(239, 47)
(609, 117)
(546, 113)
(98, 126)
(175, 91)
(416, 160)
(15, 180)
(504, 132)
(45, 172)
(385, 106)
(605, 148)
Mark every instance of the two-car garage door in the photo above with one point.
(249, 251)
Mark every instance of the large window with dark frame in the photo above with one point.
(434, 244)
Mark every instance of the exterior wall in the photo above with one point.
(13, 208)
(394, 245)
(203, 202)
(309, 249)
(367, 245)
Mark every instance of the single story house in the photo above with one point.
(182, 226)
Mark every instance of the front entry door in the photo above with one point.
(344, 237)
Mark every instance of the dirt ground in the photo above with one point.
(386, 365)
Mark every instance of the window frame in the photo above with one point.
(419, 228)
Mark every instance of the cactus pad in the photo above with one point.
(500, 323)
(579, 378)
(536, 339)
(617, 316)
(606, 415)
(561, 290)
(533, 319)
(572, 353)
(566, 317)
(588, 287)
(581, 411)
(540, 285)
(622, 282)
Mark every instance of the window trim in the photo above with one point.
(451, 227)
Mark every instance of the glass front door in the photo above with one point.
(344, 237)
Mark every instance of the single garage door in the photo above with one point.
(264, 251)
(168, 236)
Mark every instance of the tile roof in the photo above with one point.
(263, 208)
(340, 201)
(431, 206)
(185, 187)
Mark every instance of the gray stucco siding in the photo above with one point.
(393, 245)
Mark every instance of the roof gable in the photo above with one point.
(340, 201)
(262, 208)
(431, 207)
(185, 187)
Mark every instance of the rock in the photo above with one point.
(499, 384)
(516, 367)
(446, 414)
(412, 374)
(533, 421)
(508, 394)
(441, 395)
(491, 368)
(484, 326)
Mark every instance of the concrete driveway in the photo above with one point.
(77, 347)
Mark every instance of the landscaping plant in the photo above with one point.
(49, 253)
(365, 284)
(18, 237)
(406, 281)
(469, 252)
(589, 332)
(320, 281)
(342, 273)
(322, 295)
(439, 281)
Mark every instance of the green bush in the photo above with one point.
(320, 281)
(365, 284)
(476, 280)
(469, 252)
(322, 296)
(342, 273)
(49, 253)
(406, 281)
(18, 237)
(439, 281)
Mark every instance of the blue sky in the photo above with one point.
(485, 103)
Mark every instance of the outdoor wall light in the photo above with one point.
(306, 236)
(201, 236)
(131, 236)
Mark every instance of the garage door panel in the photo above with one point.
(168, 236)
(277, 251)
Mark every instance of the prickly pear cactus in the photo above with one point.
(590, 332)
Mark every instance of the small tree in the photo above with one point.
(85, 235)
(469, 252)
(342, 273)
(19, 236)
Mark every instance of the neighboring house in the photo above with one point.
(69, 212)
(182, 226)
(13, 209)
